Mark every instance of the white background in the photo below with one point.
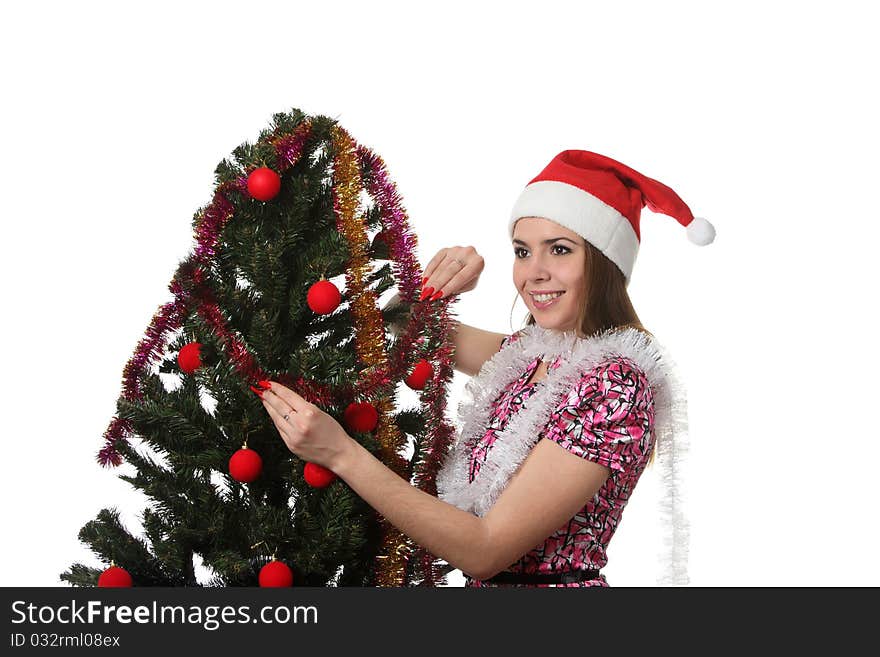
(761, 115)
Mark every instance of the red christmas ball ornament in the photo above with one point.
(420, 375)
(361, 416)
(245, 465)
(323, 297)
(381, 245)
(317, 476)
(275, 574)
(115, 576)
(383, 237)
(189, 358)
(263, 184)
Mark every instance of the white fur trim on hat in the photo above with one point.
(593, 219)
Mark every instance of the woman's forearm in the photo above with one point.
(441, 528)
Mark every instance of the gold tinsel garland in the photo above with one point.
(369, 340)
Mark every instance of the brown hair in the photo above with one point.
(605, 303)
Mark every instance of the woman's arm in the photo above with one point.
(441, 528)
(551, 485)
(472, 346)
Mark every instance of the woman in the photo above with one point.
(563, 415)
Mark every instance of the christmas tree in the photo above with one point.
(256, 300)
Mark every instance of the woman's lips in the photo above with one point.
(546, 304)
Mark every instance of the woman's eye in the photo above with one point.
(565, 249)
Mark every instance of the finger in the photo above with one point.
(434, 263)
(284, 427)
(287, 396)
(275, 401)
(447, 268)
(459, 277)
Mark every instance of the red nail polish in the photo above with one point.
(425, 280)
(426, 293)
(264, 384)
(258, 392)
(437, 295)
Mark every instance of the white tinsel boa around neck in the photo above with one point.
(513, 444)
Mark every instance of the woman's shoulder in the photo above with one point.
(620, 367)
(619, 375)
(612, 365)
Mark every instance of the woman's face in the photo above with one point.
(549, 258)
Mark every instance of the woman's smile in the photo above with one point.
(542, 301)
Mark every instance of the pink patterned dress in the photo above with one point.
(607, 417)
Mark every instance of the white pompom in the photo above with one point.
(701, 232)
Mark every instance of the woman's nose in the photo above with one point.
(537, 268)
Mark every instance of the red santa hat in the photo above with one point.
(601, 200)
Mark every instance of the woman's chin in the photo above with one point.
(553, 325)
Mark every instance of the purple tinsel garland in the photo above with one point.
(407, 270)
(401, 241)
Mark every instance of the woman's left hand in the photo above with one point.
(308, 431)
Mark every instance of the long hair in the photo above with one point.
(605, 303)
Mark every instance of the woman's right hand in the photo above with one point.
(452, 271)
